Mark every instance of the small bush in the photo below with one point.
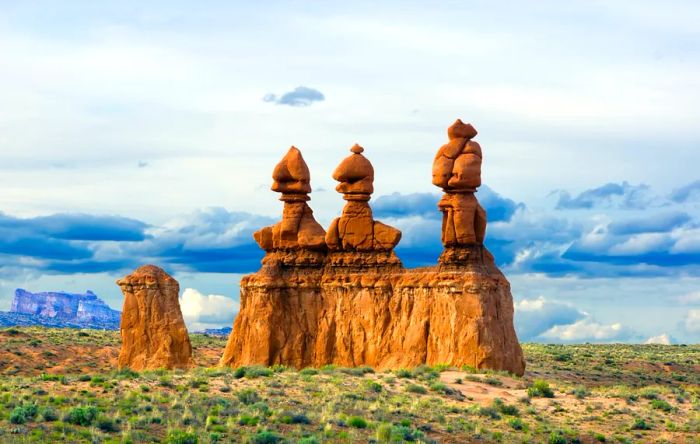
(49, 414)
(248, 396)
(490, 380)
(404, 373)
(640, 424)
(181, 437)
(308, 371)
(540, 389)
(660, 404)
(107, 424)
(557, 437)
(517, 424)
(247, 420)
(265, 437)
(294, 418)
(505, 409)
(257, 372)
(357, 422)
(489, 412)
(374, 386)
(83, 416)
(239, 372)
(415, 388)
(580, 392)
(24, 413)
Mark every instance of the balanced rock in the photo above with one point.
(356, 304)
(298, 229)
(153, 331)
(457, 170)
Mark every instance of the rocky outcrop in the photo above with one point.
(64, 309)
(153, 331)
(355, 304)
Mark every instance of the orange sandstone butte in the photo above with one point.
(153, 331)
(355, 304)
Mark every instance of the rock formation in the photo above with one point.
(355, 304)
(153, 331)
(457, 170)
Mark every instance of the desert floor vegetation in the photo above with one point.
(60, 385)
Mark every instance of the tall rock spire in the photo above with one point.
(457, 170)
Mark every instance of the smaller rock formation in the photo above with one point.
(457, 170)
(153, 331)
(298, 229)
(355, 230)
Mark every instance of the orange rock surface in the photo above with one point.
(355, 229)
(457, 170)
(153, 332)
(355, 304)
(298, 228)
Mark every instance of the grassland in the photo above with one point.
(60, 385)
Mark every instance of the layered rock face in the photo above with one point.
(68, 308)
(153, 331)
(355, 304)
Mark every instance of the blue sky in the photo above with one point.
(134, 133)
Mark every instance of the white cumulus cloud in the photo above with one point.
(692, 321)
(663, 338)
(588, 330)
(207, 311)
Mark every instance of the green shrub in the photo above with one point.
(294, 418)
(49, 414)
(308, 371)
(107, 424)
(489, 412)
(239, 372)
(517, 424)
(83, 416)
(490, 380)
(504, 408)
(660, 404)
(557, 437)
(257, 372)
(580, 392)
(404, 373)
(599, 437)
(181, 437)
(265, 437)
(540, 389)
(415, 388)
(640, 424)
(357, 422)
(24, 413)
(248, 396)
(373, 386)
(248, 420)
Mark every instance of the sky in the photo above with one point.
(146, 132)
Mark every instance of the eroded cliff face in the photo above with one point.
(351, 302)
(385, 317)
(153, 331)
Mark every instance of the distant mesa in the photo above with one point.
(60, 309)
(153, 331)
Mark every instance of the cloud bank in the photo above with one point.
(301, 96)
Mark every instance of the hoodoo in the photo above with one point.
(343, 297)
(153, 331)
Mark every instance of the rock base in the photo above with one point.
(357, 308)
